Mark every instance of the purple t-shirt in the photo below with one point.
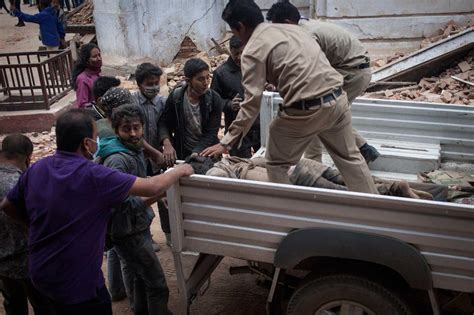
(68, 200)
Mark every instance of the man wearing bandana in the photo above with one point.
(129, 227)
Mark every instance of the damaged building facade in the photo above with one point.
(132, 30)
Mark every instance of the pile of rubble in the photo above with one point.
(453, 86)
(84, 15)
(450, 29)
(44, 143)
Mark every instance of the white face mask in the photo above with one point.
(95, 155)
(151, 91)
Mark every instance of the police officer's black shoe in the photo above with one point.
(369, 153)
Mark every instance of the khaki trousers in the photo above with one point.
(291, 133)
(355, 83)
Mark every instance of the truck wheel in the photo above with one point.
(344, 295)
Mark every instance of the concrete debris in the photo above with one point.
(84, 14)
(450, 29)
(44, 143)
(464, 66)
(455, 85)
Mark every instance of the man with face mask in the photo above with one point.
(66, 201)
(152, 105)
(192, 114)
(15, 283)
(227, 81)
(129, 227)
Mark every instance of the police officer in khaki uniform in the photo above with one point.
(314, 102)
(345, 54)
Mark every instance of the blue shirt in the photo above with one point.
(51, 29)
(68, 200)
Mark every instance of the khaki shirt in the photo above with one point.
(289, 58)
(343, 50)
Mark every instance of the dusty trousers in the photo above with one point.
(356, 82)
(293, 130)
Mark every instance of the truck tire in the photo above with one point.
(344, 295)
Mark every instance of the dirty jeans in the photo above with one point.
(150, 291)
(114, 276)
(292, 131)
(356, 82)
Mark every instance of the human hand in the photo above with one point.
(270, 87)
(158, 157)
(184, 169)
(169, 154)
(235, 105)
(215, 150)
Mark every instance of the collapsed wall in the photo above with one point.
(129, 31)
(132, 30)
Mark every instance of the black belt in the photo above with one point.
(316, 102)
(364, 65)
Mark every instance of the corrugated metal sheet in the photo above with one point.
(451, 126)
(247, 220)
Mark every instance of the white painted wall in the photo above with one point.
(129, 31)
(393, 24)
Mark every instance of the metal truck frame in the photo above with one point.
(422, 245)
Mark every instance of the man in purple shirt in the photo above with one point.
(66, 200)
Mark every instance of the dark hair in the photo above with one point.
(235, 42)
(44, 3)
(193, 66)
(243, 11)
(281, 11)
(103, 84)
(126, 113)
(72, 128)
(15, 146)
(82, 61)
(146, 70)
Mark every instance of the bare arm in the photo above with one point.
(151, 200)
(153, 153)
(16, 214)
(157, 185)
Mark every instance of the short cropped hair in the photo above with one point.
(15, 146)
(235, 42)
(126, 113)
(146, 70)
(281, 11)
(103, 84)
(246, 12)
(193, 66)
(72, 127)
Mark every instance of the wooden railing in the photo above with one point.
(34, 80)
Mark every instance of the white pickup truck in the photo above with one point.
(340, 252)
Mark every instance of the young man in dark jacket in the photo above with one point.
(129, 227)
(227, 81)
(192, 114)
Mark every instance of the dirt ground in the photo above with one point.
(227, 294)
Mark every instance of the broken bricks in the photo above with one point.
(464, 66)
